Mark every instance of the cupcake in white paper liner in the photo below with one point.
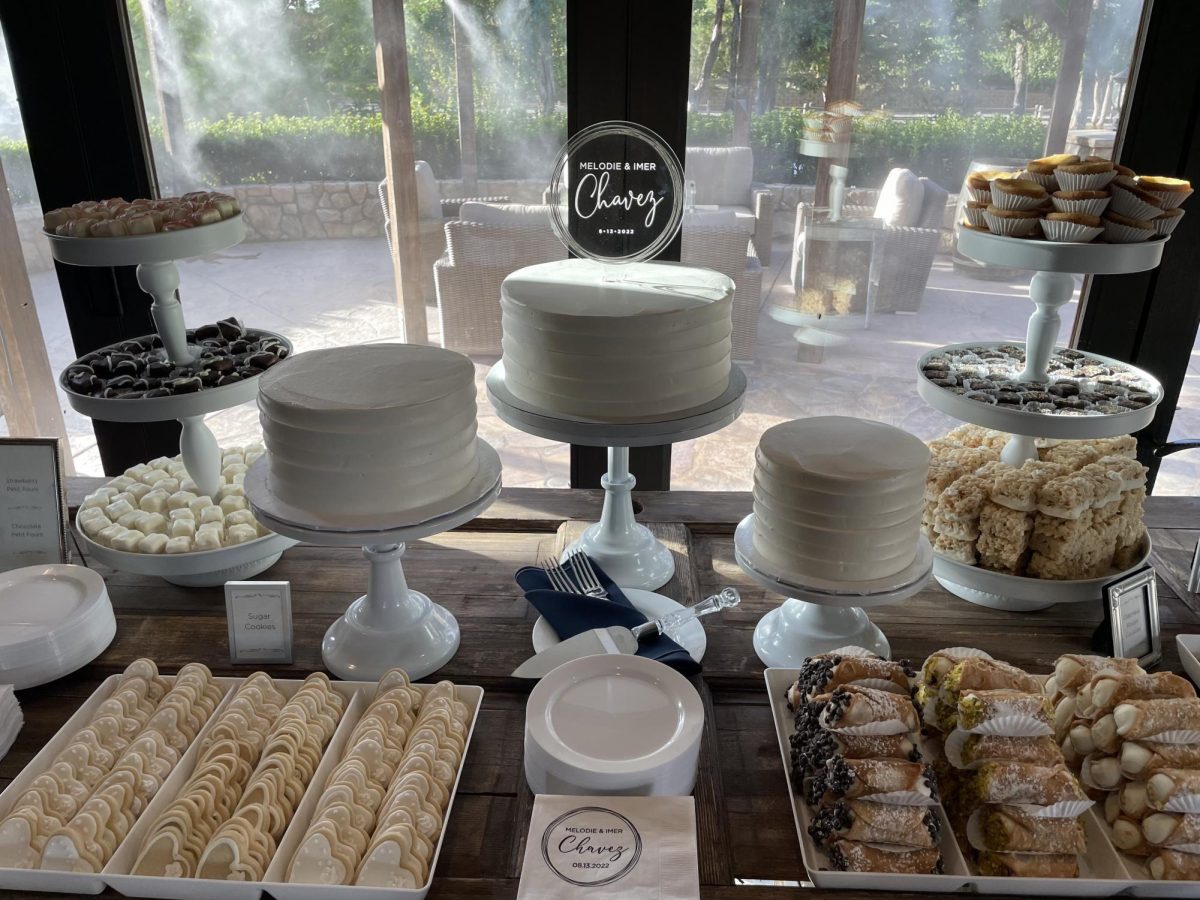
(1046, 180)
(979, 196)
(1011, 200)
(1120, 233)
(1083, 181)
(1127, 203)
(1102, 772)
(1064, 809)
(1011, 226)
(978, 840)
(1166, 223)
(974, 216)
(1063, 231)
(1092, 206)
(1170, 199)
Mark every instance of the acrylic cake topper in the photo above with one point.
(617, 193)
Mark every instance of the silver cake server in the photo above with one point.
(619, 639)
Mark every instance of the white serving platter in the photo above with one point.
(1020, 593)
(1033, 424)
(1188, 646)
(1096, 258)
(815, 861)
(159, 247)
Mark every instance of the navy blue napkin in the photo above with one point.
(572, 614)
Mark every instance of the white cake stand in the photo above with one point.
(627, 551)
(391, 625)
(817, 618)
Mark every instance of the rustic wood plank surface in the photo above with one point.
(748, 845)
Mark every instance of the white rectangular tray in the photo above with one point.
(116, 874)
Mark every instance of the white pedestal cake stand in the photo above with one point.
(392, 624)
(631, 555)
(1050, 288)
(155, 256)
(818, 617)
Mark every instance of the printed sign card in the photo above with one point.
(635, 848)
(33, 523)
(260, 621)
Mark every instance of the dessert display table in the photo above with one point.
(391, 624)
(745, 827)
(627, 551)
(1050, 288)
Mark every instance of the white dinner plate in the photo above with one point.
(649, 604)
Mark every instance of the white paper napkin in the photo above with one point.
(11, 719)
(610, 847)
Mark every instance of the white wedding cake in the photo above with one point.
(838, 499)
(369, 430)
(615, 343)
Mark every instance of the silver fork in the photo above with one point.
(559, 579)
(585, 575)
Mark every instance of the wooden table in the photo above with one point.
(748, 845)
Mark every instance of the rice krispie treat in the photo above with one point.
(957, 512)
(1059, 538)
(1003, 537)
(1073, 454)
(959, 551)
(943, 472)
(973, 457)
(1125, 445)
(1106, 484)
(1131, 472)
(1018, 488)
(973, 435)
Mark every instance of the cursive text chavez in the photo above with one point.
(590, 199)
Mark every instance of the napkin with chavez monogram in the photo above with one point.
(633, 848)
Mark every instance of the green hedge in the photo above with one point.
(269, 149)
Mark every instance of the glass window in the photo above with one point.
(863, 130)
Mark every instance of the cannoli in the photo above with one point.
(938, 665)
(1105, 692)
(877, 823)
(1112, 807)
(1041, 751)
(1171, 829)
(981, 674)
(1105, 772)
(1073, 670)
(1140, 759)
(853, 779)
(1128, 838)
(977, 708)
(852, 706)
(1146, 718)
(1064, 715)
(1011, 829)
(1102, 735)
(1133, 800)
(1012, 782)
(1167, 784)
(854, 856)
(813, 747)
(1029, 865)
(1171, 865)
(821, 675)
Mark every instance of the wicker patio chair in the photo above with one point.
(724, 178)
(728, 249)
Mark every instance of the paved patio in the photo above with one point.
(336, 292)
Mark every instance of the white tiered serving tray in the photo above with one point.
(820, 616)
(116, 875)
(1020, 593)
(1104, 871)
(627, 551)
(1094, 258)
(1033, 424)
(160, 247)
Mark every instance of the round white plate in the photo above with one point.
(53, 619)
(650, 605)
(162, 246)
(611, 715)
(1096, 258)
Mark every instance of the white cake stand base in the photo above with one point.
(391, 624)
(628, 552)
(819, 617)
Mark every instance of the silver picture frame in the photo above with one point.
(15, 452)
(1133, 615)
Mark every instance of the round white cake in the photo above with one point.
(838, 499)
(616, 343)
(370, 429)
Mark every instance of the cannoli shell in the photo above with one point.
(1029, 865)
(1039, 750)
(877, 823)
(1011, 829)
(1107, 691)
(1171, 829)
(1012, 782)
(1140, 759)
(1146, 718)
(1073, 670)
(855, 856)
(1171, 865)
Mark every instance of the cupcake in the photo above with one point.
(979, 186)
(1075, 227)
(1119, 229)
(1017, 193)
(1135, 203)
(973, 212)
(1093, 203)
(1085, 176)
(1124, 171)
(1167, 221)
(1012, 222)
(1042, 170)
(1170, 192)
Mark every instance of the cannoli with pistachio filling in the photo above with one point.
(1013, 782)
(977, 708)
(877, 823)
(1029, 865)
(1011, 829)
(1040, 750)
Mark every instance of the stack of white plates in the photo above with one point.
(53, 620)
(11, 719)
(613, 724)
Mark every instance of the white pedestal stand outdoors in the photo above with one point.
(631, 555)
(816, 618)
(392, 624)
(1050, 289)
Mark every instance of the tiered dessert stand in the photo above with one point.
(820, 616)
(155, 256)
(627, 551)
(1051, 287)
(392, 624)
